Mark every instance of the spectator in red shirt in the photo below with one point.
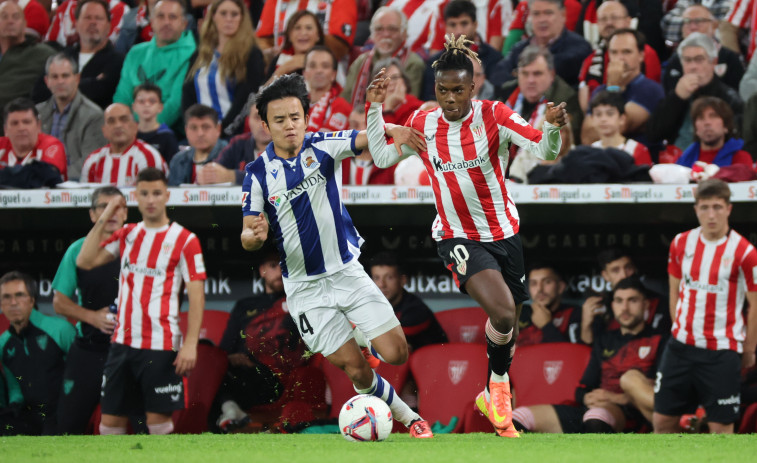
(303, 32)
(714, 141)
(339, 30)
(328, 111)
(24, 141)
(37, 19)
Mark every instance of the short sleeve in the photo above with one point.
(66, 281)
(749, 267)
(338, 145)
(674, 258)
(191, 262)
(113, 244)
(252, 195)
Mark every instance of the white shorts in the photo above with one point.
(324, 309)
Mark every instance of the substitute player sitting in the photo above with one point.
(296, 185)
(476, 229)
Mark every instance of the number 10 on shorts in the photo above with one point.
(460, 255)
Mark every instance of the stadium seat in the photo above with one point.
(4, 324)
(448, 376)
(201, 388)
(748, 423)
(213, 325)
(548, 373)
(463, 325)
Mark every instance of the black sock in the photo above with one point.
(597, 427)
(519, 427)
(499, 356)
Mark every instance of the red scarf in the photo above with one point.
(364, 75)
(321, 110)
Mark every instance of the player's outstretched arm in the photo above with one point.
(91, 254)
(407, 141)
(254, 232)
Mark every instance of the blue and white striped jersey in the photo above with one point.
(302, 198)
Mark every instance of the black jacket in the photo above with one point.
(99, 78)
(585, 164)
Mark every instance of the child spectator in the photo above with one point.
(148, 104)
(609, 118)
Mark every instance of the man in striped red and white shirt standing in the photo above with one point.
(476, 229)
(147, 360)
(118, 162)
(712, 270)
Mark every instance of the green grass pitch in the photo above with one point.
(399, 448)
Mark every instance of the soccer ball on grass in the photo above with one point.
(365, 418)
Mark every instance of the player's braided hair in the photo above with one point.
(456, 55)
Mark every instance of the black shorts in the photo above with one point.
(464, 258)
(141, 380)
(691, 376)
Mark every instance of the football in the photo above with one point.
(365, 418)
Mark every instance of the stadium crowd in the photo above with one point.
(162, 93)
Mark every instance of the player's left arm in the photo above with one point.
(187, 357)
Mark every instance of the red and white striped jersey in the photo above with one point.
(154, 262)
(715, 277)
(638, 151)
(743, 14)
(426, 26)
(102, 166)
(63, 29)
(464, 163)
(48, 149)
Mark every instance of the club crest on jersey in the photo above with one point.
(552, 369)
(644, 351)
(462, 267)
(456, 370)
(275, 201)
(310, 162)
(478, 131)
(726, 262)
(166, 248)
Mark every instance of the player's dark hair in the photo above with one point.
(456, 56)
(288, 85)
(457, 8)
(387, 259)
(29, 282)
(151, 174)
(712, 188)
(147, 87)
(324, 49)
(20, 105)
(721, 108)
(605, 98)
(200, 111)
(108, 190)
(640, 40)
(544, 266)
(102, 3)
(632, 282)
(610, 255)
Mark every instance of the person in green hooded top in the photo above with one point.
(163, 61)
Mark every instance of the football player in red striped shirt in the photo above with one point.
(148, 360)
(712, 270)
(464, 151)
